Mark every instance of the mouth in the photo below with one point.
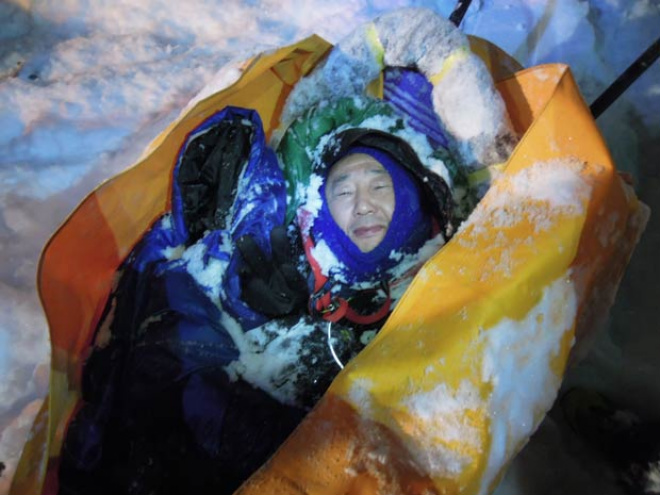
(367, 231)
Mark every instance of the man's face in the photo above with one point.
(360, 195)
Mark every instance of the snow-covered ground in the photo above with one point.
(86, 85)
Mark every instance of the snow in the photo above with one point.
(207, 271)
(441, 417)
(85, 86)
(440, 52)
(653, 478)
(554, 185)
(270, 358)
(326, 259)
(517, 361)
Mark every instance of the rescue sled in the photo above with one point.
(472, 357)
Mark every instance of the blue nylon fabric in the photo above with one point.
(170, 342)
(191, 336)
(410, 93)
(260, 205)
(409, 229)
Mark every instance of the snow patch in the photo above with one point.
(518, 358)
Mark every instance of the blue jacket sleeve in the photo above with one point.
(157, 371)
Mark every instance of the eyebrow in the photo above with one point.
(341, 178)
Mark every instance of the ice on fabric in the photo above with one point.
(517, 363)
(545, 188)
(437, 419)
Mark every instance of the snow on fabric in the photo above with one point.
(518, 362)
(463, 95)
(270, 358)
(556, 183)
(434, 417)
(515, 352)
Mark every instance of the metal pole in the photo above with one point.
(628, 77)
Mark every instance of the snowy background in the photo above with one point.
(86, 85)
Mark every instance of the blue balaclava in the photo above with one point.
(409, 228)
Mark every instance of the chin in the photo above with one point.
(367, 246)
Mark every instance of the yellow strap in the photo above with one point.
(455, 57)
(485, 174)
(375, 45)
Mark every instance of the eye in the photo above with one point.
(382, 185)
(343, 193)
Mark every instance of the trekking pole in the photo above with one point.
(628, 77)
(459, 12)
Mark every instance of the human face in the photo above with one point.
(360, 196)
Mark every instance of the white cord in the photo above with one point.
(332, 349)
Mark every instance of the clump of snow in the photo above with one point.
(208, 274)
(518, 358)
(350, 67)
(270, 358)
(409, 265)
(359, 395)
(440, 417)
(545, 188)
(311, 196)
(653, 478)
(327, 260)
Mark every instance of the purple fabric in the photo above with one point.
(409, 228)
(409, 93)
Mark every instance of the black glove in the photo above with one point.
(209, 172)
(272, 287)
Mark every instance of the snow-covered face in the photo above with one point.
(360, 197)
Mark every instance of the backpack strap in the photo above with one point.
(331, 308)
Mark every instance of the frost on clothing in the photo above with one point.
(470, 109)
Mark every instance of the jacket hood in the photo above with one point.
(317, 140)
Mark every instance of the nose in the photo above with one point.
(364, 203)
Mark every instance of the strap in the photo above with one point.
(334, 309)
